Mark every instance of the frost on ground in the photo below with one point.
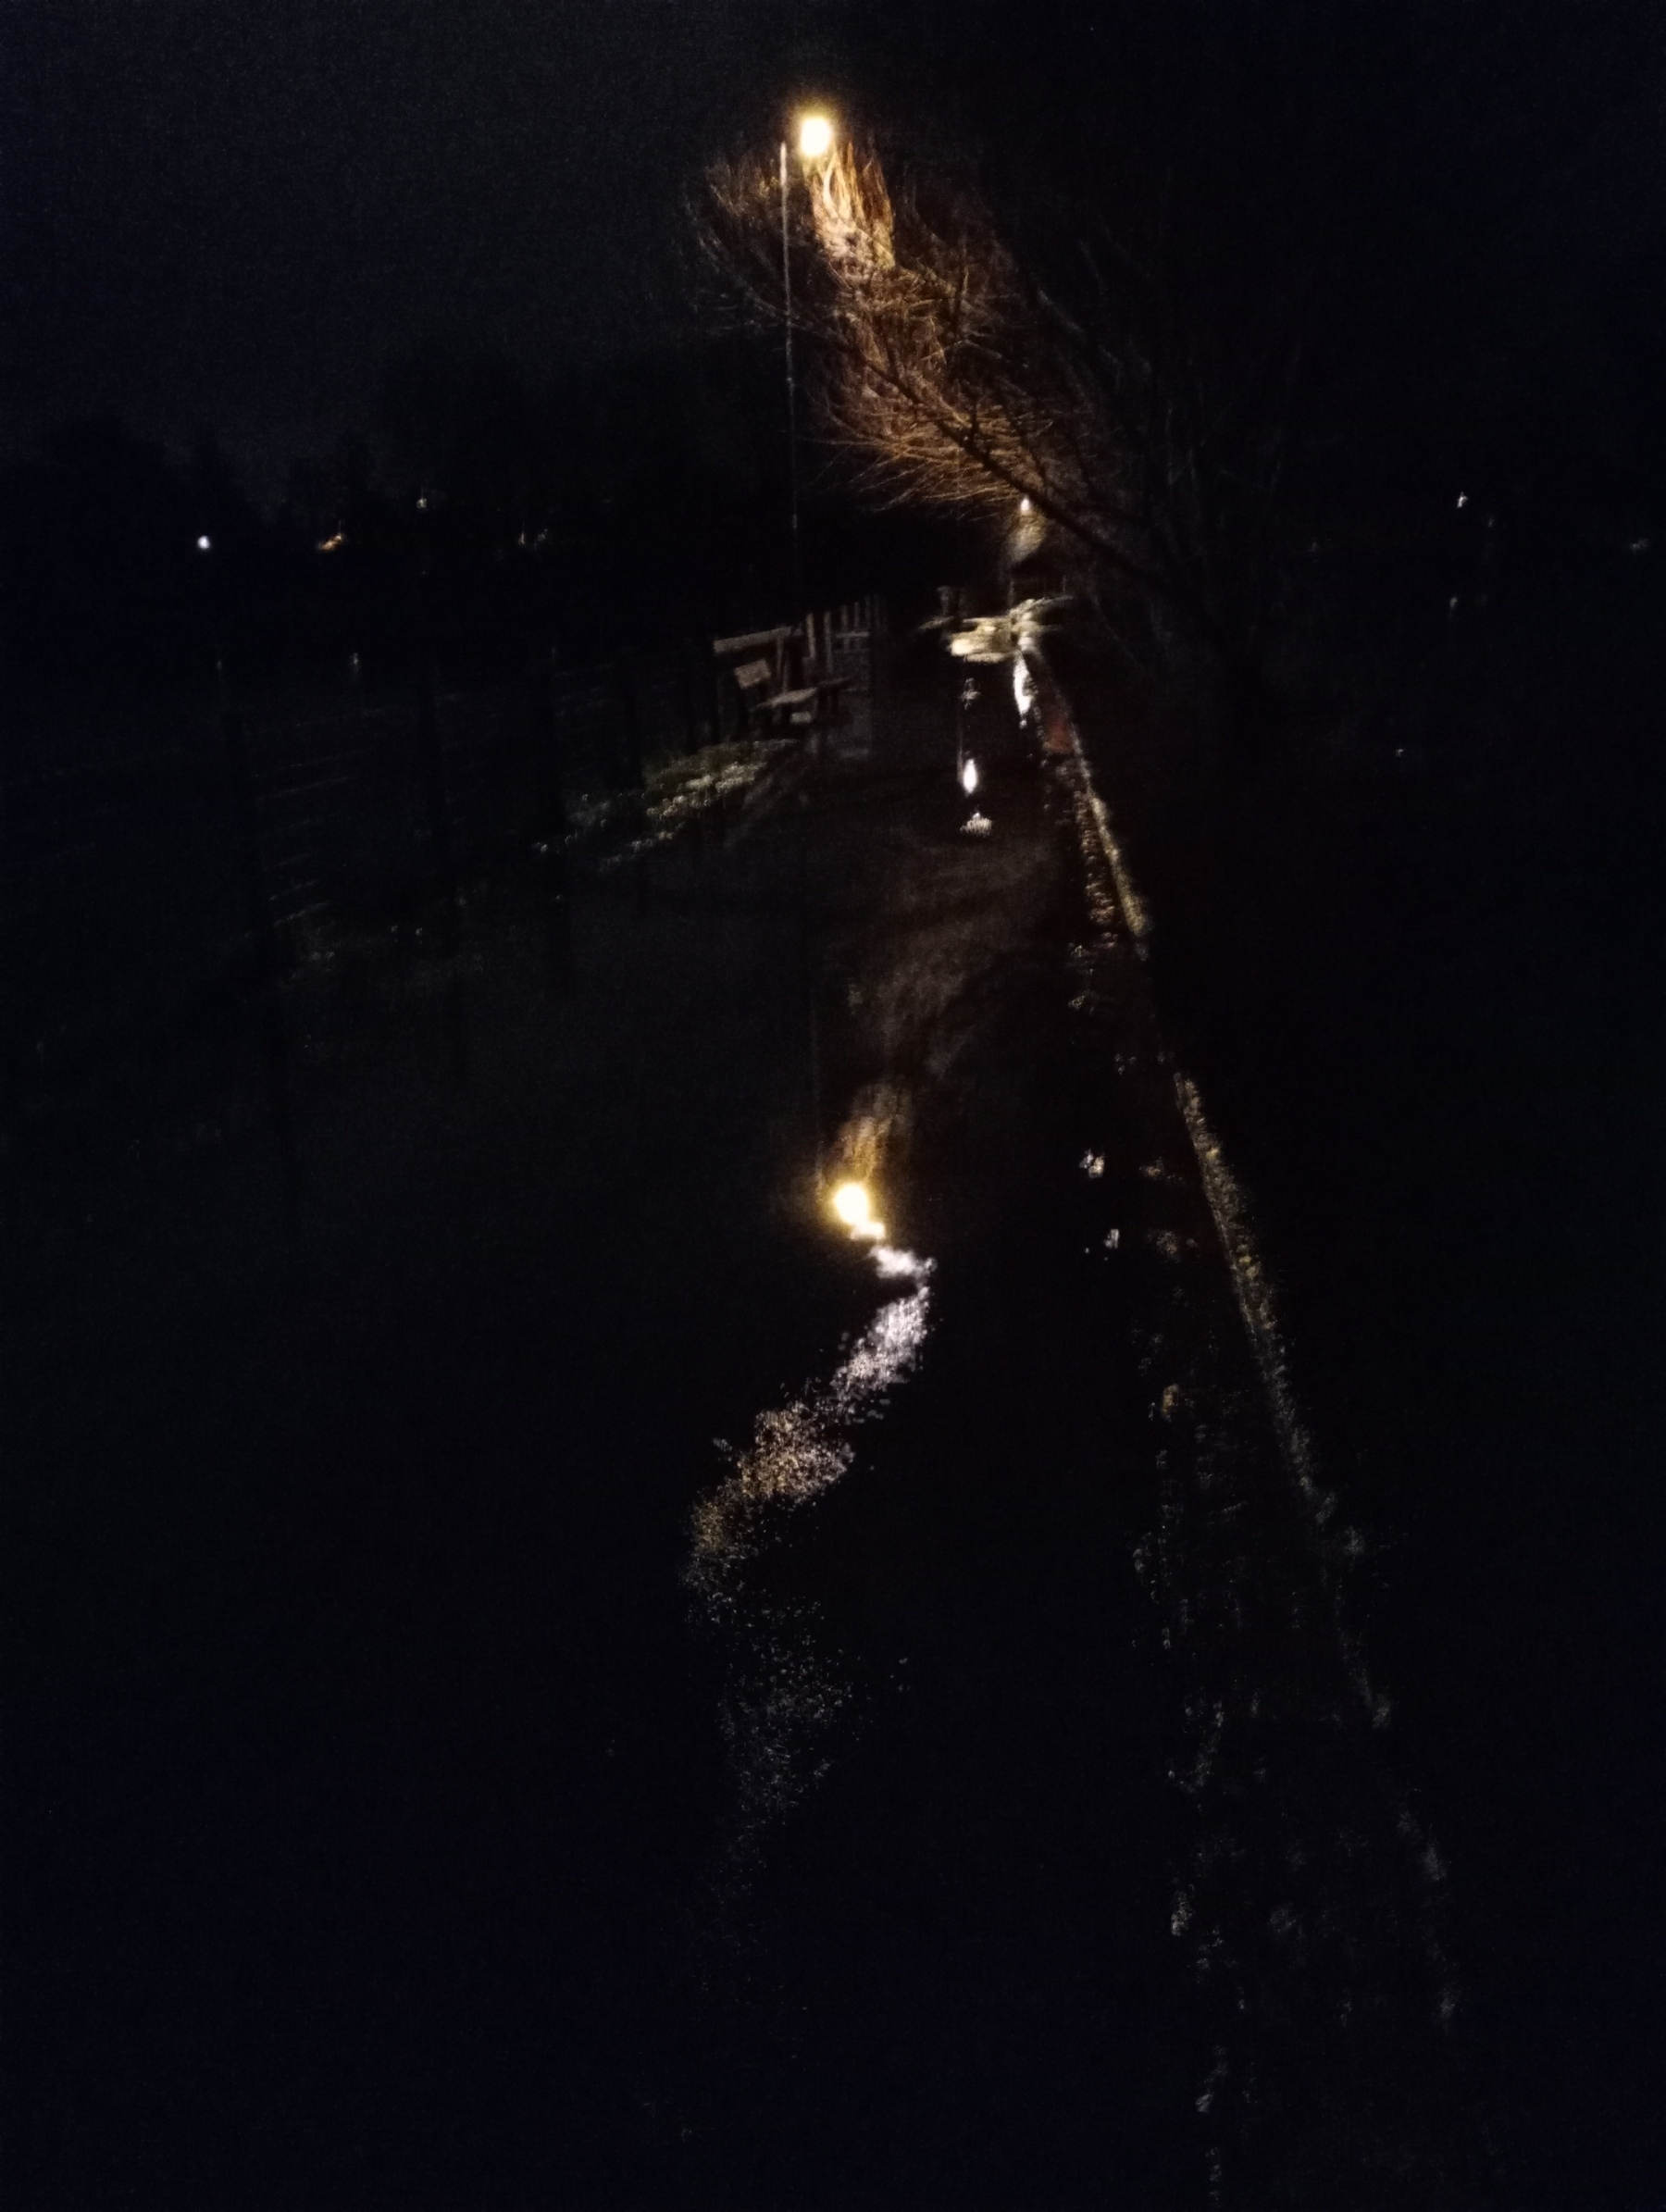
(684, 787)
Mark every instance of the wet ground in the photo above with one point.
(1426, 1019)
(549, 1671)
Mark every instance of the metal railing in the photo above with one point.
(145, 864)
(148, 864)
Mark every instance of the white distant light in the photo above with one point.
(202, 545)
(1463, 499)
(969, 778)
(815, 137)
(1024, 506)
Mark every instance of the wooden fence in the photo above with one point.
(147, 866)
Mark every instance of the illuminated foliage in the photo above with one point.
(961, 381)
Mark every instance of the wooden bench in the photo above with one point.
(769, 700)
(811, 703)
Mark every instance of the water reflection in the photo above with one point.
(785, 1686)
(854, 1208)
(798, 1450)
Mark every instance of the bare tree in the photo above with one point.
(964, 381)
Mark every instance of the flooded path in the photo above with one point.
(568, 1667)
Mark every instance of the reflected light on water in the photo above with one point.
(788, 1686)
(798, 1450)
(855, 1209)
(889, 1262)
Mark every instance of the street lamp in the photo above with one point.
(815, 142)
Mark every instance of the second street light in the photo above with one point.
(815, 142)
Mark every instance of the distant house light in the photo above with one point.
(1463, 499)
(332, 544)
(202, 544)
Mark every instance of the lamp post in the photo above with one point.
(814, 140)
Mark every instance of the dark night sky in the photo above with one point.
(234, 214)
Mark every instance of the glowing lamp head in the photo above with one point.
(853, 1207)
(969, 778)
(203, 544)
(815, 136)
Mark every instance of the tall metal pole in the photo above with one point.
(793, 470)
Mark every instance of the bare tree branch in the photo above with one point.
(964, 381)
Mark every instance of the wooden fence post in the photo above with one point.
(267, 946)
(714, 676)
(263, 937)
(631, 726)
(551, 803)
(432, 768)
(636, 812)
(551, 828)
(689, 665)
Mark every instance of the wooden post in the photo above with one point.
(688, 691)
(716, 703)
(630, 726)
(551, 827)
(265, 940)
(714, 693)
(268, 948)
(634, 780)
(432, 766)
(551, 821)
